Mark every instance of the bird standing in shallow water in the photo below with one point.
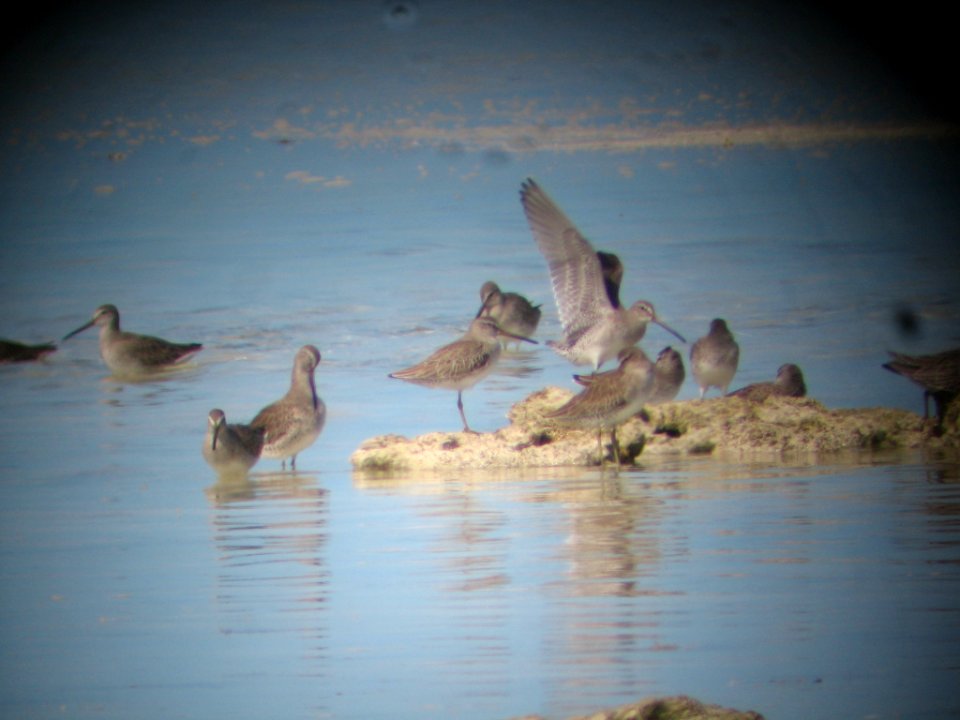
(512, 312)
(463, 363)
(294, 422)
(938, 375)
(714, 358)
(789, 383)
(668, 376)
(130, 354)
(586, 285)
(231, 449)
(12, 351)
(609, 398)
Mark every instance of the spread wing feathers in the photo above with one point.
(578, 284)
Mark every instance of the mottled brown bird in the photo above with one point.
(789, 383)
(12, 351)
(130, 354)
(294, 422)
(463, 363)
(938, 375)
(511, 311)
(714, 358)
(609, 398)
(231, 448)
(668, 376)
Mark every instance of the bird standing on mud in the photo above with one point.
(463, 363)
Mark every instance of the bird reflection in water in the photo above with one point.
(270, 535)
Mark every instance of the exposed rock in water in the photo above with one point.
(723, 426)
(670, 708)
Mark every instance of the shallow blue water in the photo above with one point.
(560, 591)
(224, 191)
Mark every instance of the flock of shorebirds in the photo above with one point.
(596, 328)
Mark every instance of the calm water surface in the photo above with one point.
(146, 590)
(201, 187)
(134, 586)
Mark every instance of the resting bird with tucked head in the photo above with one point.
(668, 376)
(294, 422)
(511, 311)
(789, 383)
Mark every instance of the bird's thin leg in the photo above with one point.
(616, 447)
(466, 428)
(941, 401)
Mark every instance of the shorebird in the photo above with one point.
(938, 375)
(294, 422)
(12, 351)
(512, 312)
(668, 376)
(463, 363)
(609, 398)
(586, 287)
(231, 448)
(789, 383)
(714, 358)
(129, 354)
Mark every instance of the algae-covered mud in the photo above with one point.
(669, 708)
(721, 426)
